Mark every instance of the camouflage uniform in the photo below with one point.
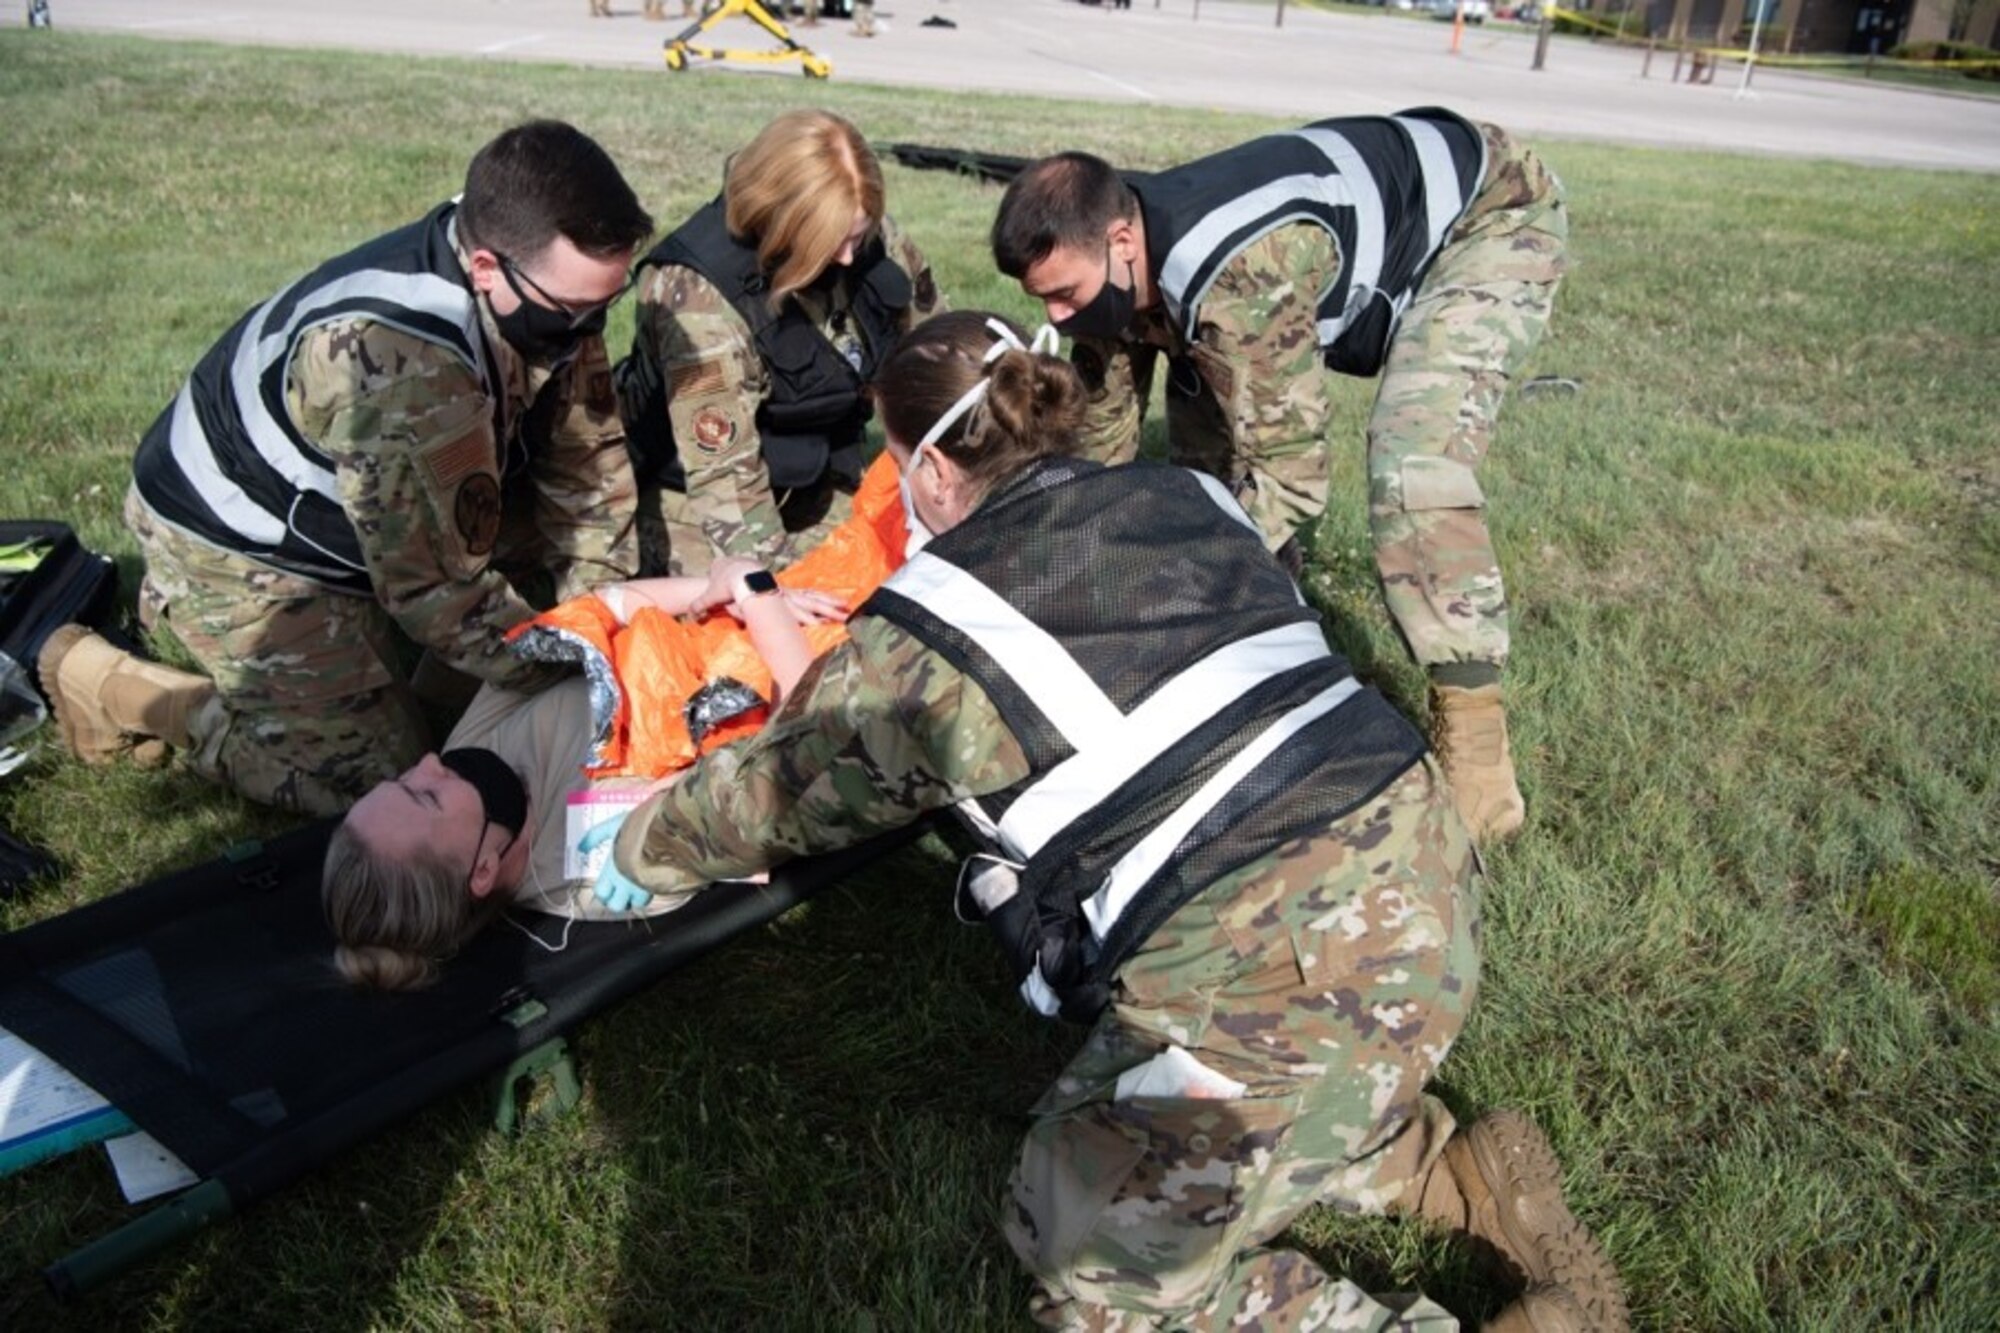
(311, 710)
(1248, 398)
(715, 384)
(1141, 1211)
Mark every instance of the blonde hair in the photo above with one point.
(1033, 407)
(794, 191)
(395, 920)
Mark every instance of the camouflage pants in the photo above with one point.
(309, 710)
(1328, 979)
(1480, 311)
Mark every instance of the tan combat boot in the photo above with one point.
(1545, 1309)
(1499, 1182)
(600, 9)
(106, 700)
(1470, 731)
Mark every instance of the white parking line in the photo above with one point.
(494, 48)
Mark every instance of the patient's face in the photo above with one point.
(429, 806)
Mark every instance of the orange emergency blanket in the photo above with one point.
(644, 674)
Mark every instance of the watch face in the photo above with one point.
(760, 581)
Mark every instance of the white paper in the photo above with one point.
(587, 809)
(145, 1169)
(36, 1093)
(1175, 1073)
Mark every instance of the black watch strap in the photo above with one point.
(759, 582)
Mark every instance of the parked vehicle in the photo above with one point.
(1476, 11)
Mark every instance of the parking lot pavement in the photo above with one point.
(1159, 52)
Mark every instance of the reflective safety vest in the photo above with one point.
(225, 461)
(1178, 705)
(1388, 188)
(813, 419)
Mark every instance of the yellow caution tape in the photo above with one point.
(1778, 58)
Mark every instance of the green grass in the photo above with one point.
(1741, 964)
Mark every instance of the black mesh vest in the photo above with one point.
(1388, 188)
(225, 462)
(1176, 700)
(812, 421)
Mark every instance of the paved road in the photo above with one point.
(1231, 56)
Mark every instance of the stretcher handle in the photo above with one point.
(112, 1254)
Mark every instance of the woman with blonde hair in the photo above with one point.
(760, 321)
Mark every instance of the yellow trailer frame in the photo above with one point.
(681, 49)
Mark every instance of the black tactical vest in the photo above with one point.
(1176, 699)
(1388, 188)
(224, 461)
(812, 421)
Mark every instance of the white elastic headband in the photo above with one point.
(1046, 341)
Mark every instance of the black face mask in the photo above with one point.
(503, 797)
(543, 335)
(1110, 312)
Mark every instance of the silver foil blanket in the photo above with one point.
(545, 644)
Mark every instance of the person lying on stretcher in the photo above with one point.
(673, 667)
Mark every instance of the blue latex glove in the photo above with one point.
(613, 889)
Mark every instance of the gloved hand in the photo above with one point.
(612, 888)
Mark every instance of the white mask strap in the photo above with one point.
(1044, 343)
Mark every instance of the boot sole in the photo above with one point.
(1513, 1158)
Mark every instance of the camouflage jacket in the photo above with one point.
(716, 383)
(436, 492)
(1257, 339)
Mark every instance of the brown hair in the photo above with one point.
(395, 920)
(1066, 200)
(1033, 406)
(545, 179)
(794, 191)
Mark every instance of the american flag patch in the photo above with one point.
(702, 377)
(449, 464)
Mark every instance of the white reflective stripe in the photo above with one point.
(425, 293)
(1442, 201)
(1364, 267)
(1225, 501)
(1268, 206)
(975, 814)
(1035, 991)
(1028, 654)
(196, 459)
(1137, 867)
(1082, 782)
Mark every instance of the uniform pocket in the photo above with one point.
(1430, 482)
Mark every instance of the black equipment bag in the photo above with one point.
(70, 583)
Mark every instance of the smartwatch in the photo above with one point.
(758, 582)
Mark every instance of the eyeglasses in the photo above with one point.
(579, 316)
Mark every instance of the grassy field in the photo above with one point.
(1744, 964)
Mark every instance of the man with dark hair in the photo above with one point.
(1420, 248)
(378, 452)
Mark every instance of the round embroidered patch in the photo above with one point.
(477, 511)
(713, 430)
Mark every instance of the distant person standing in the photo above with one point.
(399, 445)
(1420, 248)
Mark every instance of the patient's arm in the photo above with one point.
(675, 596)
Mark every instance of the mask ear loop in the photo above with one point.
(569, 920)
